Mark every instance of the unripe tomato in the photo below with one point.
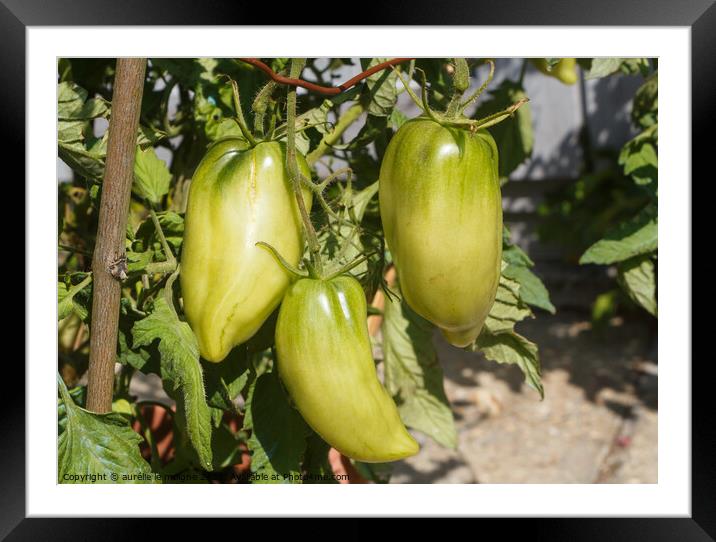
(442, 215)
(326, 364)
(238, 196)
(565, 70)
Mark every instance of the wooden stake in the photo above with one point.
(111, 230)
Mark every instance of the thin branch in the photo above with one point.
(240, 114)
(350, 116)
(68, 248)
(294, 173)
(163, 240)
(329, 91)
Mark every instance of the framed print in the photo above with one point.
(398, 268)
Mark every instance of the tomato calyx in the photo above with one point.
(454, 116)
(292, 270)
(310, 271)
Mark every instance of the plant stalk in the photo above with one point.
(314, 247)
(348, 118)
(111, 230)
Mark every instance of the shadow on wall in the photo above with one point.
(564, 160)
(560, 111)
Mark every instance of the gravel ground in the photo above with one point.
(597, 423)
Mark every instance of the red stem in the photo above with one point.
(331, 91)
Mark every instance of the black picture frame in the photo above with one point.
(700, 15)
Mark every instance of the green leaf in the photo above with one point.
(137, 261)
(514, 255)
(645, 110)
(146, 237)
(303, 143)
(508, 308)
(73, 112)
(67, 304)
(85, 162)
(381, 94)
(72, 104)
(70, 131)
(315, 464)
(86, 154)
(602, 67)
(361, 199)
(225, 380)
(64, 301)
(639, 157)
(379, 473)
(180, 366)
(512, 348)
(318, 117)
(151, 176)
(70, 98)
(397, 118)
(373, 129)
(136, 358)
(638, 278)
(95, 447)
(632, 238)
(149, 136)
(187, 71)
(79, 398)
(532, 290)
(278, 432)
(218, 127)
(413, 375)
(225, 446)
(635, 66)
(518, 286)
(514, 136)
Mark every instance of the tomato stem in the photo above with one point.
(80, 286)
(260, 106)
(348, 118)
(460, 83)
(292, 270)
(168, 291)
(498, 117)
(473, 98)
(406, 86)
(64, 393)
(424, 94)
(348, 267)
(163, 240)
(240, 114)
(314, 247)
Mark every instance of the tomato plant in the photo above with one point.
(261, 235)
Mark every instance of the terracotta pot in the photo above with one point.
(160, 423)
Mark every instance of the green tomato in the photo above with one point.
(442, 215)
(326, 364)
(565, 70)
(238, 196)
